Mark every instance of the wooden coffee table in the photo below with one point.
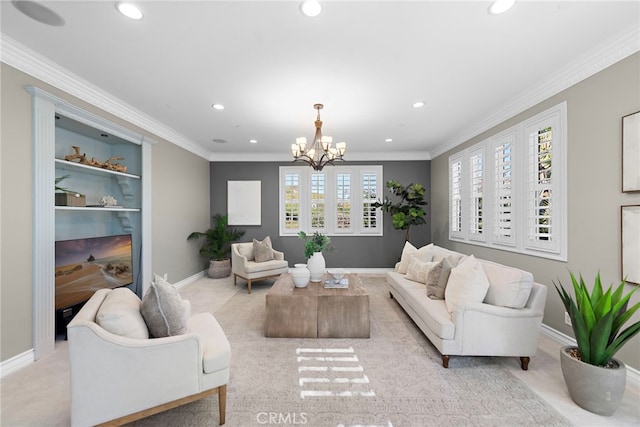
(316, 312)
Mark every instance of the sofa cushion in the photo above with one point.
(262, 250)
(437, 278)
(216, 352)
(407, 250)
(274, 264)
(467, 283)
(246, 250)
(119, 314)
(164, 311)
(508, 287)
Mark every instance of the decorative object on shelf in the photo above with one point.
(408, 210)
(313, 247)
(630, 219)
(66, 197)
(596, 381)
(300, 275)
(320, 152)
(108, 201)
(217, 245)
(631, 152)
(107, 164)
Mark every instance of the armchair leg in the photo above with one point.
(222, 402)
(524, 363)
(445, 361)
(249, 285)
(235, 278)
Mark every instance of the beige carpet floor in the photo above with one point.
(392, 379)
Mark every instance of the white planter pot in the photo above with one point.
(300, 275)
(316, 266)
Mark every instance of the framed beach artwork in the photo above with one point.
(631, 152)
(244, 202)
(630, 219)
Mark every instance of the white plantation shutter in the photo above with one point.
(455, 197)
(337, 200)
(504, 195)
(476, 193)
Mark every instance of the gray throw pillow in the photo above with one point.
(164, 311)
(437, 279)
(262, 250)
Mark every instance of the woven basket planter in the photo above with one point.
(219, 269)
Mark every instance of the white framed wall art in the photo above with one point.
(244, 202)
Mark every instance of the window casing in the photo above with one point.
(339, 200)
(516, 199)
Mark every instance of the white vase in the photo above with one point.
(300, 275)
(316, 266)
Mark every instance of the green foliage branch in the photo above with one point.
(217, 240)
(408, 210)
(317, 242)
(596, 319)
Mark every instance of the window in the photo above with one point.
(529, 160)
(476, 185)
(338, 200)
(455, 196)
(503, 195)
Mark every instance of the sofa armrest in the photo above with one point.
(112, 376)
(494, 311)
(238, 261)
(278, 255)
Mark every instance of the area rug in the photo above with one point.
(395, 378)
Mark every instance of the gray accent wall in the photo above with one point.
(595, 108)
(351, 251)
(180, 204)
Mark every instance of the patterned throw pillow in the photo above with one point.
(164, 310)
(262, 250)
(437, 279)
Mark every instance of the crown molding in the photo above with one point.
(351, 156)
(30, 62)
(603, 55)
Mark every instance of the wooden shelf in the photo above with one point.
(67, 165)
(92, 208)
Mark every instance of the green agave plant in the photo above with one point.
(597, 318)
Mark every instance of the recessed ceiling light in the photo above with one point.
(418, 104)
(388, 140)
(310, 8)
(501, 6)
(40, 13)
(129, 10)
(217, 106)
(253, 141)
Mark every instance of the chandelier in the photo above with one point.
(320, 152)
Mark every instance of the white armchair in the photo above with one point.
(116, 379)
(245, 266)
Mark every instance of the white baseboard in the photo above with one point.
(633, 375)
(17, 362)
(189, 280)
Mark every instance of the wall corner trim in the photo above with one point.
(17, 362)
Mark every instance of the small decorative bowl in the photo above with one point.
(337, 274)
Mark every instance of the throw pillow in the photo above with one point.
(425, 253)
(467, 283)
(405, 258)
(262, 250)
(419, 270)
(508, 286)
(164, 311)
(437, 278)
(119, 314)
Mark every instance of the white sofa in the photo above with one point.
(119, 379)
(245, 265)
(480, 328)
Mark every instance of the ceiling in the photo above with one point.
(366, 61)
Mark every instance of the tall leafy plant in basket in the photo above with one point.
(408, 209)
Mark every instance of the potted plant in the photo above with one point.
(596, 381)
(217, 245)
(314, 245)
(407, 211)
